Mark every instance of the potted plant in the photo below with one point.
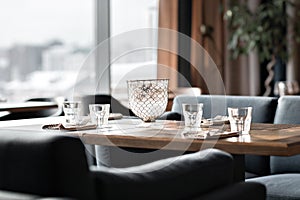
(263, 29)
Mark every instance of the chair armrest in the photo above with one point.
(241, 190)
(180, 177)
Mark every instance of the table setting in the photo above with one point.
(148, 101)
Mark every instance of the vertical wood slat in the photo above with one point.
(208, 13)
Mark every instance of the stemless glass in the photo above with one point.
(192, 114)
(101, 113)
(72, 112)
(148, 99)
(240, 119)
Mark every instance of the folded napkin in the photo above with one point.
(209, 134)
(219, 119)
(85, 124)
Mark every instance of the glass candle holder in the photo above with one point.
(148, 99)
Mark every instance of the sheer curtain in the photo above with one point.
(168, 15)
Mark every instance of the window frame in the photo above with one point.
(102, 35)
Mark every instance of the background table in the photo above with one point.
(27, 106)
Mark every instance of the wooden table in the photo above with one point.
(26, 106)
(264, 139)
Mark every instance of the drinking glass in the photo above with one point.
(100, 114)
(72, 112)
(192, 114)
(240, 119)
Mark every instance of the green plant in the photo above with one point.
(264, 29)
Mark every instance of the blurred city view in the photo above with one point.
(45, 45)
(28, 71)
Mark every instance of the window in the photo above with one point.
(42, 46)
(128, 18)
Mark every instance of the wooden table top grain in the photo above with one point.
(264, 139)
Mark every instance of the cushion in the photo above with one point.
(283, 164)
(280, 186)
(288, 112)
(240, 190)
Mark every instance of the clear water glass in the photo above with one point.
(240, 119)
(192, 114)
(72, 112)
(99, 113)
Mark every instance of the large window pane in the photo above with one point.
(127, 62)
(42, 46)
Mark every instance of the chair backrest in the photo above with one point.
(288, 112)
(182, 177)
(44, 164)
(115, 105)
(264, 108)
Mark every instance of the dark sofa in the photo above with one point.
(38, 164)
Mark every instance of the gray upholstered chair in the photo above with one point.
(264, 109)
(55, 165)
(288, 110)
(284, 181)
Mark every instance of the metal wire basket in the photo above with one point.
(148, 99)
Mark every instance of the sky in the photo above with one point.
(38, 21)
(127, 15)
